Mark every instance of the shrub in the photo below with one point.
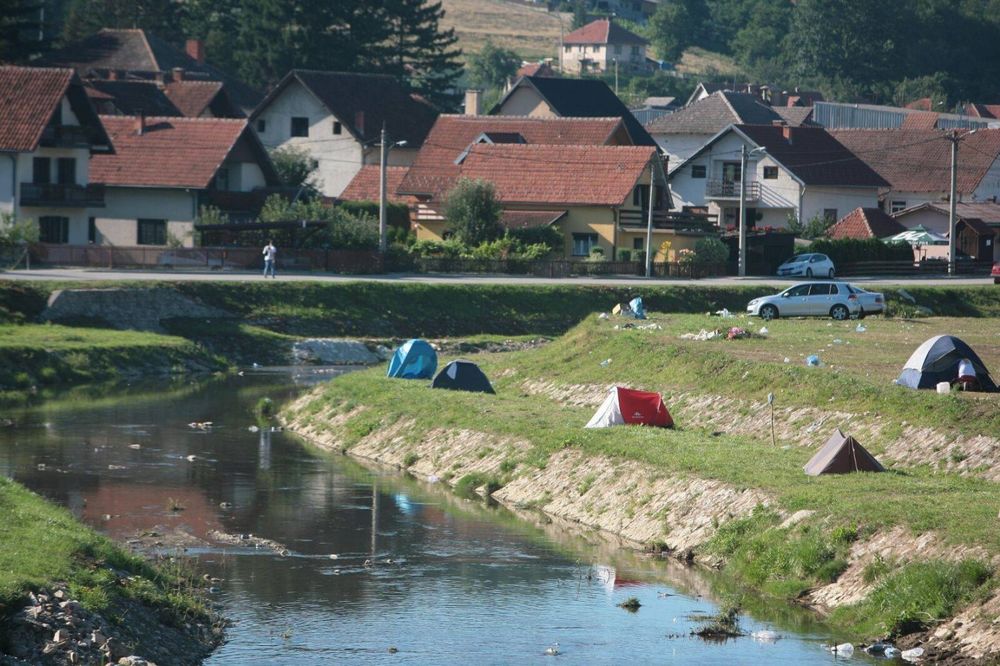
(16, 232)
(352, 231)
(447, 249)
(295, 167)
(596, 253)
(848, 250)
(472, 211)
(624, 255)
(550, 236)
(711, 250)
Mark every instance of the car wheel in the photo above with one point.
(862, 314)
(840, 312)
(809, 272)
(830, 274)
(996, 280)
(768, 312)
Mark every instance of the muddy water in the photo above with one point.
(377, 568)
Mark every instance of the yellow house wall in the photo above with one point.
(588, 220)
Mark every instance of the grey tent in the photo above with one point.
(842, 454)
(937, 359)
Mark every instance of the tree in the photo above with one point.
(23, 30)
(295, 168)
(676, 25)
(473, 212)
(162, 17)
(422, 52)
(492, 66)
(580, 17)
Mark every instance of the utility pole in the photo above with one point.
(382, 224)
(649, 221)
(616, 76)
(743, 212)
(951, 202)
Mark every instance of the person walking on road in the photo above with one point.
(269, 252)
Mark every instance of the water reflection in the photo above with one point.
(374, 560)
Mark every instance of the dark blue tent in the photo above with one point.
(937, 359)
(463, 376)
(414, 359)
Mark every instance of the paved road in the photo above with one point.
(84, 275)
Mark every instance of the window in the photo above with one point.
(152, 232)
(53, 229)
(566, 48)
(637, 243)
(638, 199)
(41, 171)
(830, 214)
(698, 170)
(635, 51)
(731, 172)
(582, 244)
(800, 290)
(300, 127)
(337, 127)
(770, 173)
(222, 179)
(261, 125)
(66, 171)
(597, 49)
(896, 206)
(819, 290)
(91, 229)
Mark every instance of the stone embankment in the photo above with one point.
(641, 504)
(126, 309)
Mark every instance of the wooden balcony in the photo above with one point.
(665, 220)
(60, 195)
(65, 136)
(729, 189)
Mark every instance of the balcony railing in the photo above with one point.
(65, 136)
(667, 220)
(59, 195)
(729, 189)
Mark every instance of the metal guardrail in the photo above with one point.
(728, 189)
(61, 194)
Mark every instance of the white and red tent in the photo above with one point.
(628, 407)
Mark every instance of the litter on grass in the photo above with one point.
(737, 333)
(763, 331)
(814, 361)
(724, 313)
(860, 328)
(701, 335)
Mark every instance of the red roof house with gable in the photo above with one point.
(600, 46)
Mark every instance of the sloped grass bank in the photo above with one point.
(44, 547)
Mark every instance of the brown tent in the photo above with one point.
(842, 454)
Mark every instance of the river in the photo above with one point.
(446, 580)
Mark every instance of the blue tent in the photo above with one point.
(937, 359)
(414, 359)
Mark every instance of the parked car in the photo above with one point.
(996, 273)
(809, 299)
(872, 302)
(807, 265)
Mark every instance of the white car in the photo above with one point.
(809, 299)
(872, 302)
(807, 265)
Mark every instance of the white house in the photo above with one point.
(48, 131)
(337, 119)
(916, 163)
(164, 169)
(600, 46)
(799, 172)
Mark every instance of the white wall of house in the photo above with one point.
(578, 58)
(680, 147)
(339, 155)
(117, 223)
(932, 220)
(8, 164)
(989, 186)
(841, 200)
(897, 201)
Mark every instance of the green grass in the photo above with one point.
(44, 544)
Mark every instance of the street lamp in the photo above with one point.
(744, 154)
(382, 223)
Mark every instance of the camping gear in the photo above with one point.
(635, 305)
(937, 359)
(626, 406)
(943, 387)
(462, 376)
(414, 359)
(842, 454)
(619, 310)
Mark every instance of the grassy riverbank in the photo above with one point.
(544, 396)
(45, 549)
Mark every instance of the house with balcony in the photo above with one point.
(48, 133)
(337, 119)
(165, 169)
(581, 175)
(791, 173)
(916, 164)
(599, 47)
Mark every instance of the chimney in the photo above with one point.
(178, 73)
(472, 102)
(140, 123)
(196, 49)
(112, 75)
(786, 131)
(359, 122)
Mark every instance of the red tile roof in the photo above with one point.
(536, 69)
(922, 104)
(543, 174)
(434, 170)
(983, 110)
(28, 97)
(920, 120)
(365, 184)
(865, 223)
(171, 152)
(985, 212)
(603, 31)
(192, 97)
(920, 160)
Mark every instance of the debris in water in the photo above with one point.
(843, 650)
(631, 604)
(253, 429)
(334, 556)
(225, 505)
(913, 654)
(552, 650)
(765, 636)
(191, 458)
(135, 446)
(393, 649)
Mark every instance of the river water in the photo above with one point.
(448, 580)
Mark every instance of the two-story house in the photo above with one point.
(164, 169)
(917, 164)
(545, 97)
(792, 173)
(48, 132)
(600, 46)
(337, 118)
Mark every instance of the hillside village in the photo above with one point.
(124, 140)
